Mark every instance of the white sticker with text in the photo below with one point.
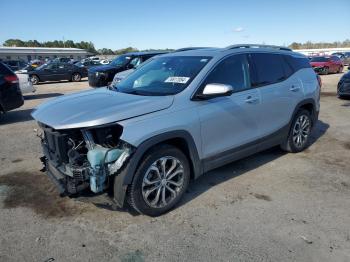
(177, 79)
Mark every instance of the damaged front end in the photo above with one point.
(81, 159)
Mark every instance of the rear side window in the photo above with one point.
(269, 69)
(298, 63)
(232, 71)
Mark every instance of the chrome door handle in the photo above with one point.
(294, 88)
(251, 100)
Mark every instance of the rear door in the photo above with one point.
(229, 122)
(280, 91)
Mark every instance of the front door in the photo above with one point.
(49, 72)
(229, 123)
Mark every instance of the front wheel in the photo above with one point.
(299, 133)
(76, 77)
(160, 181)
(34, 79)
(326, 71)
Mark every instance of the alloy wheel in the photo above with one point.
(301, 131)
(162, 182)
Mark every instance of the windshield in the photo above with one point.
(319, 59)
(120, 60)
(163, 76)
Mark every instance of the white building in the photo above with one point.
(30, 53)
(322, 51)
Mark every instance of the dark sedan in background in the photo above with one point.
(344, 86)
(104, 74)
(88, 63)
(56, 72)
(10, 93)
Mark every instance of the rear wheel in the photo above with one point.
(299, 133)
(160, 181)
(76, 77)
(340, 70)
(34, 79)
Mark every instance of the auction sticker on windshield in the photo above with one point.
(177, 79)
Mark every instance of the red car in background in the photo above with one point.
(327, 64)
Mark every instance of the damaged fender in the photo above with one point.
(126, 175)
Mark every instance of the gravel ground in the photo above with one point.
(269, 207)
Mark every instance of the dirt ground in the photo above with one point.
(269, 207)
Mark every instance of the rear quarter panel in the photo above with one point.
(308, 79)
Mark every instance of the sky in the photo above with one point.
(146, 24)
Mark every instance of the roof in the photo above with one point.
(146, 53)
(40, 50)
(211, 51)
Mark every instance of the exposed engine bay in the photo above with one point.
(78, 159)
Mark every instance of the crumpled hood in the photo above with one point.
(97, 107)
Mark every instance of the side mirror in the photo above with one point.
(215, 90)
(130, 66)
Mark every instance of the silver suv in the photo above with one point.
(175, 118)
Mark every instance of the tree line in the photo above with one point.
(311, 45)
(89, 46)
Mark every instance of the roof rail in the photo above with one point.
(258, 46)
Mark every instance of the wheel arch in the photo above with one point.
(30, 75)
(309, 105)
(179, 138)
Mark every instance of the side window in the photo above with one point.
(135, 61)
(51, 66)
(298, 63)
(287, 68)
(232, 71)
(269, 69)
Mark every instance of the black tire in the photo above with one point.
(138, 188)
(326, 71)
(291, 144)
(340, 70)
(76, 77)
(34, 79)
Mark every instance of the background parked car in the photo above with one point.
(62, 60)
(105, 62)
(343, 89)
(104, 74)
(15, 64)
(344, 57)
(56, 72)
(327, 64)
(10, 93)
(88, 63)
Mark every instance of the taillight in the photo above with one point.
(319, 80)
(13, 79)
